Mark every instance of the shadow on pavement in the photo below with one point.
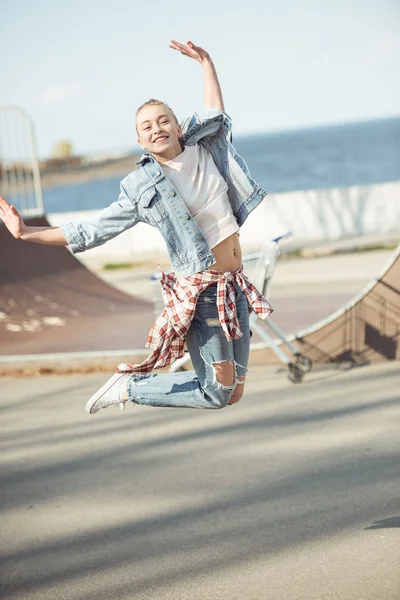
(385, 523)
(186, 493)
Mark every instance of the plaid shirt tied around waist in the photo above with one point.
(167, 335)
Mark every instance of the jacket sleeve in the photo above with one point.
(206, 126)
(110, 222)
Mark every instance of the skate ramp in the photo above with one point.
(365, 329)
(50, 303)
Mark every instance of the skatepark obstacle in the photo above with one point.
(51, 303)
(365, 329)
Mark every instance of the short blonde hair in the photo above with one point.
(154, 102)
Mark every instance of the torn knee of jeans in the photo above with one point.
(241, 380)
(230, 378)
(225, 374)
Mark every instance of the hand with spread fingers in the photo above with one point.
(191, 50)
(212, 89)
(11, 218)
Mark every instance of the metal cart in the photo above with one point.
(298, 364)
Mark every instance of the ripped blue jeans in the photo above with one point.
(207, 347)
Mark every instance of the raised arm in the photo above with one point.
(212, 89)
(15, 224)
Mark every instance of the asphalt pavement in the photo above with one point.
(292, 494)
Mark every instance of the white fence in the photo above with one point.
(328, 214)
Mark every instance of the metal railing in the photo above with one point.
(19, 163)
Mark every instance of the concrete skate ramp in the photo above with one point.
(50, 302)
(366, 329)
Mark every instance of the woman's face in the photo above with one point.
(158, 131)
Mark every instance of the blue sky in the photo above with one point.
(81, 67)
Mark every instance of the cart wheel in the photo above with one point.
(304, 363)
(296, 375)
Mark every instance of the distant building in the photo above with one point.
(62, 149)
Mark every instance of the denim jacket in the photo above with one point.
(148, 196)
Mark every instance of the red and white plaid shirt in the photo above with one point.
(167, 335)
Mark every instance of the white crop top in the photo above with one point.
(204, 191)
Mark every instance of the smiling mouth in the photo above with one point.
(161, 139)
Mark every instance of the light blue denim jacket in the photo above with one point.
(148, 196)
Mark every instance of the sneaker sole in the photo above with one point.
(90, 404)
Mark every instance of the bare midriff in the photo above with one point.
(228, 255)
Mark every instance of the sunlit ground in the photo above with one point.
(292, 493)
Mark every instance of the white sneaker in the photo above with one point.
(109, 395)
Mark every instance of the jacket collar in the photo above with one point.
(144, 158)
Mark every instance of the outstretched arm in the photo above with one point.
(15, 224)
(212, 89)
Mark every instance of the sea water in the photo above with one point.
(362, 153)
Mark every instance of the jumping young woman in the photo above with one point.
(197, 191)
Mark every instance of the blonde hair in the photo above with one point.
(154, 102)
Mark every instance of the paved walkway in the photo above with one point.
(293, 494)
